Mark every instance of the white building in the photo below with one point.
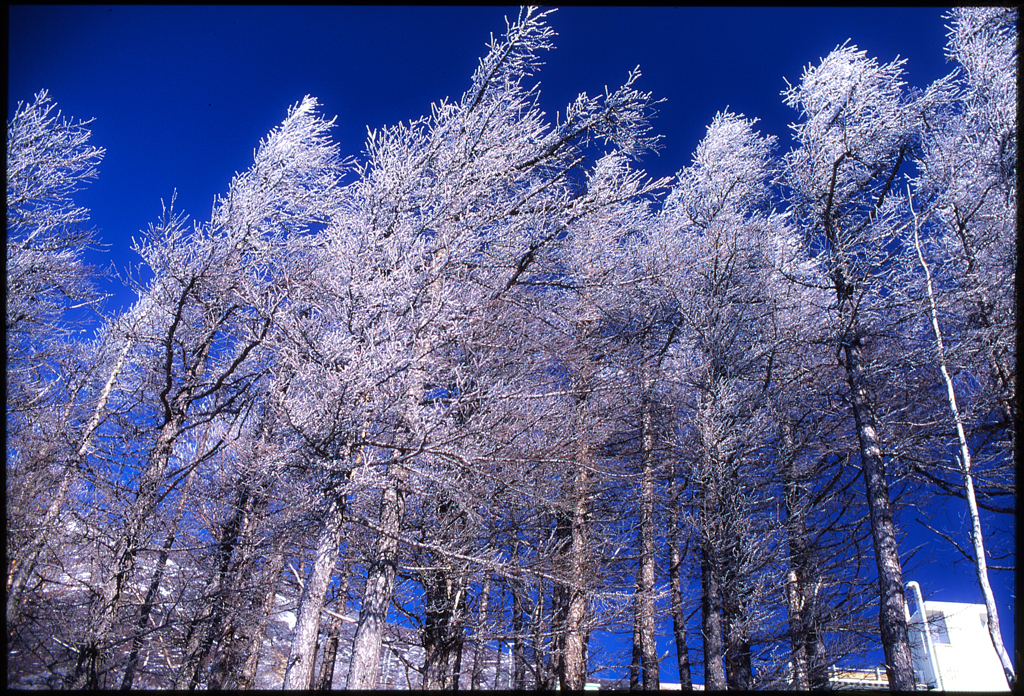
(954, 642)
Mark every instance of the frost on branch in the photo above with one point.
(292, 183)
(855, 122)
(48, 160)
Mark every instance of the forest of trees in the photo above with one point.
(508, 393)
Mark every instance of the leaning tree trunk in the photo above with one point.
(380, 585)
(964, 460)
(892, 619)
(24, 563)
(154, 585)
(302, 657)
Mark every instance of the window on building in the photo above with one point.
(937, 627)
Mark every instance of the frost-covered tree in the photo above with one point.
(55, 394)
(716, 249)
(206, 310)
(48, 160)
(859, 126)
(449, 214)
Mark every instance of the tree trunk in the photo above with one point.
(646, 572)
(809, 670)
(252, 636)
(735, 588)
(154, 586)
(711, 624)
(326, 680)
(635, 655)
(675, 561)
(302, 656)
(518, 666)
(738, 667)
(123, 561)
(573, 672)
(233, 644)
(537, 623)
(439, 617)
(892, 618)
(380, 584)
(206, 626)
(964, 460)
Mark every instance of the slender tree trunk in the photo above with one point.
(518, 666)
(809, 670)
(330, 652)
(112, 585)
(537, 623)
(206, 626)
(456, 635)
(302, 657)
(675, 561)
(154, 585)
(573, 674)
(325, 680)
(964, 460)
(795, 532)
(711, 624)
(892, 619)
(439, 620)
(738, 667)
(636, 658)
(232, 643)
(253, 636)
(380, 583)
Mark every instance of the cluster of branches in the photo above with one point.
(479, 391)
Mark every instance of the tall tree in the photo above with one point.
(210, 307)
(858, 127)
(717, 219)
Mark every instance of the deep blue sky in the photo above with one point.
(182, 95)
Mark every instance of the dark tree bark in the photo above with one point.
(675, 561)
(154, 587)
(892, 612)
(711, 623)
(330, 652)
